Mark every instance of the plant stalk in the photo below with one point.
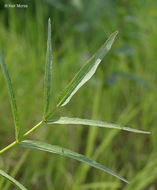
(22, 138)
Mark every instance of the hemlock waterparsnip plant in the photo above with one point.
(85, 73)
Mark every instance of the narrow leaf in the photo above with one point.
(12, 180)
(12, 97)
(78, 121)
(48, 73)
(86, 72)
(68, 153)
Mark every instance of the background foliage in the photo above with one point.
(123, 91)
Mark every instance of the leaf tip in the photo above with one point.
(49, 26)
(149, 133)
(128, 182)
(146, 132)
(116, 33)
(49, 20)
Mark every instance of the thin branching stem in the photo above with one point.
(25, 135)
(31, 130)
(22, 138)
(8, 147)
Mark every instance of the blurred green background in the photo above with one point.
(123, 91)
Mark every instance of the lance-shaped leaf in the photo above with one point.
(68, 153)
(48, 73)
(78, 121)
(12, 97)
(12, 180)
(86, 72)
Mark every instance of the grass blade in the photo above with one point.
(86, 72)
(12, 180)
(68, 153)
(12, 96)
(78, 121)
(48, 73)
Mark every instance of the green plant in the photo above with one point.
(86, 72)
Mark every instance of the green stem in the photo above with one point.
(31, 130)
(8, 147)
(22, 138)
